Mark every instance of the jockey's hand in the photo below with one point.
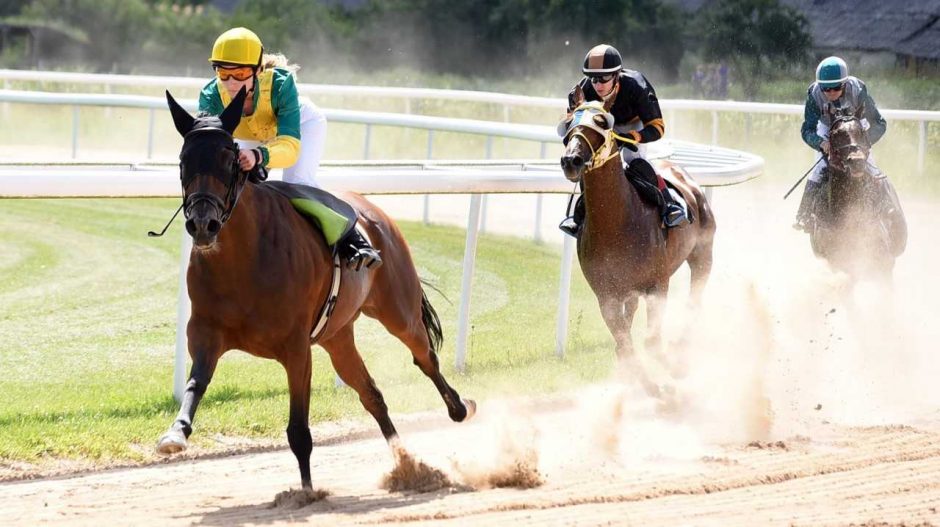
(247, 159)
(824, 146)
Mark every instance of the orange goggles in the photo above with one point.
(241, 73)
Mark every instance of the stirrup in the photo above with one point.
(358, 253)
(675, 217)
(569, 227)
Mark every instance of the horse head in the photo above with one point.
(848, 145)
(209, 173)
(586, 134)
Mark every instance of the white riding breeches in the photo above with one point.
(823, 131)
(312, 144)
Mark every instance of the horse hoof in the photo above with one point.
(471, 407)
(171, 443)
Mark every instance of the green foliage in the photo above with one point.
(758, 38)
(12, 7)
(114, 28)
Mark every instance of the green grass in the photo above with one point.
(87, 332)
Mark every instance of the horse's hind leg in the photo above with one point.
(700, 265)
(298, 369)
(349, 366)
(422, 334)
(205, 352)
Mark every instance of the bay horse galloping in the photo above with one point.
(260, 274)
(624, 251)
(859, 225)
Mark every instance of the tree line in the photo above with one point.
(479, 38)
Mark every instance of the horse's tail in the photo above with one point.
(431, 323)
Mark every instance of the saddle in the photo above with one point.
(651, 185)
(332, 216)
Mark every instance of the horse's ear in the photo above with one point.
(181, 118)
(232, 113)
(603, 121)
(577, 98)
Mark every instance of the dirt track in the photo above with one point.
(840, 476)
(852, 435)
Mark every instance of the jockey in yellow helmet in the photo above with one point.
(278, 129)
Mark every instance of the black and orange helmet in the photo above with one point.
(602, 59)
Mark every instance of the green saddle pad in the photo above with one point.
(331, 215)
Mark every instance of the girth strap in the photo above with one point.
(330, 303)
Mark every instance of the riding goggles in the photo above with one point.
(241, 73)
(833, 88)
(602, 79)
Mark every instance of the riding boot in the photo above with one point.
(804, 215)
(673, 213)
(357, 251)
(572, 224)
(570, 227)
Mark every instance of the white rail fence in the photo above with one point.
(471, 178)
(409, 94)
(712, 166)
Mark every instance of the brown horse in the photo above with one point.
(860, 227)
(260, 274)
(624, 251)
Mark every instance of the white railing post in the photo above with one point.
(6, 105)
(469, 261)
(488, 154)
(426, 214)
(537, 230)
(564, 297)
(921, 145)
(75, 117)
(537, 235)
(715, 128)
(150, 124)
(183, 309)
(368, 139)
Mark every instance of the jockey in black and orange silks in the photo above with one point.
(637, 120)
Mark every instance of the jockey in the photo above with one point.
(636, 116)
(834, 88)
(278, 128)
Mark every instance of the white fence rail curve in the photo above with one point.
(922, 117)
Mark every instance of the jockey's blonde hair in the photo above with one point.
(278, 60)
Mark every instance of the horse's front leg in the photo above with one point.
(618, 315)
(205, 352)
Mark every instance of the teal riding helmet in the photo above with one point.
(831, 72)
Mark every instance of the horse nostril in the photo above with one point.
(577, 162)
(213, 227)
(191, 227)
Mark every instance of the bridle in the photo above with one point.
(233, 185)
(843, 151)
(583, 117)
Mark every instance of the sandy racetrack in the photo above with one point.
(803, 403)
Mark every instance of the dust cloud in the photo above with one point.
(782, 348)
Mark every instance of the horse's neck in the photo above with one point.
(848, 193)
(610, 200)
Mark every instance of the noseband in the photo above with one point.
(586, 120)
(233, 185)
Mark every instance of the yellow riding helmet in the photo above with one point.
(237, 46)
